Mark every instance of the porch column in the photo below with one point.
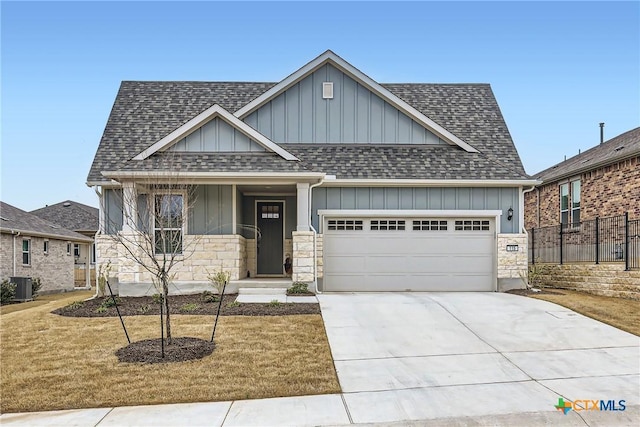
(129, 207)
(303, 207)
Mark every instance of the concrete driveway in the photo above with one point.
(428, 356)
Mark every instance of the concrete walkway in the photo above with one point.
(441, 359)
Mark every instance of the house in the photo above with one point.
(603, 181)
(33, 247)
(364, 186)
(82, 219)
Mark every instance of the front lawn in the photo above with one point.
(54, 362)
(618, 312)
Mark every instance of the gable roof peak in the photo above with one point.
(362, 79)
(215, 111)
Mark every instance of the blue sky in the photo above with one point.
(556, 68)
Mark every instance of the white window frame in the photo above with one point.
(69, 248)
(569, 210)
(45, 246)
(76, 250)
(27, 252)
(155, 195)
(93, 253)
(572, 207)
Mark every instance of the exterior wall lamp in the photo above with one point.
(510, 214)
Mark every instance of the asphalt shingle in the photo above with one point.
(15, 219)
(71, 215)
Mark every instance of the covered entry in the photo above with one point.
(409, 253)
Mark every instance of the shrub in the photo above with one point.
(219, 279)
(156, 298)
(7, 291)
(144, 309)
(209, 297)
(36, 285)
(74, 305)
(189, 307)
(274, 303)
(233, 304)
(109, 302)
(101, 309)
(299, 288)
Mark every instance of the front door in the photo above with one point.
(270, 241)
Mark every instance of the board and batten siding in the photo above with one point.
(211, 210)
(419, 198)
(353, 115)
(216, 136)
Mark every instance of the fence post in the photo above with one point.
(597, 240)
(561, 241)
(626, 241)
(533, 245)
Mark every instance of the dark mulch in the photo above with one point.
(180, 350)
(185, 304)
(527, 292)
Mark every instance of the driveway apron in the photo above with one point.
(420, 356)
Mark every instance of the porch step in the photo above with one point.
(262, 283)
(262, 291)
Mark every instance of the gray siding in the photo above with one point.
(112, 210)
(354, 115)
(419, 198)
(249, 214)
(211, 210)
(216, 136)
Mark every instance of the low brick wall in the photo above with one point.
(602, 279)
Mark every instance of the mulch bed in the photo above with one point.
(184, 304)
(527, 292)
(180, 350)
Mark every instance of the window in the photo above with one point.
(575, 202)
(76, 250)
(564, 203)
(344, 224)
(387, 225)
(570, 203)
(93, 253)
(26, 252)
(430, 225)
(168, 223)
(270, 211)
(472, 225)
(46, 247)
(68, 248)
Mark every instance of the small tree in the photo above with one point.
(152, 235)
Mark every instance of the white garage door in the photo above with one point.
(409, 254)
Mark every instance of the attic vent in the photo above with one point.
(66, 204)
(327, 90)
(619, 148)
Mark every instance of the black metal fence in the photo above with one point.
(612, 239)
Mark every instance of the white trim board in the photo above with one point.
(333, 59)
(206, 116)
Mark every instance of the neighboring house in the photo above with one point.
(365, 186)
(33, 247)
(82, 219)
(603, 181)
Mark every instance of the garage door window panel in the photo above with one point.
(387, 225)
(430, 225)
(473, 225)
(345, 225)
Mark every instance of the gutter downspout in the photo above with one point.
(100, 225)
(15, 235)
(315, 237)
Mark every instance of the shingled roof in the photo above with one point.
(618, 148)
(145, 112)
(28, 224)
(71, 215)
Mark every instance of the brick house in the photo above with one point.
(603, 256)
(33, 247)
(603, 181)
(82, 219)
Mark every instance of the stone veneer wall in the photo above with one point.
(320, 254)
(512, 266)
(303, 256)
(55, 268)
(251, 262)
(206, 255)
(609, 279)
